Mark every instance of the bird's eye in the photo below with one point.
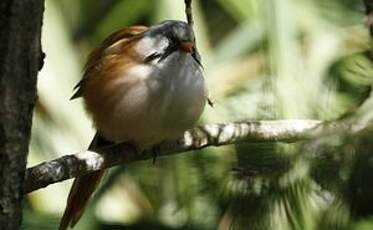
(169, 50)
(163, 52)
(152, 57)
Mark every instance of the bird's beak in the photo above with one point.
(187, 47)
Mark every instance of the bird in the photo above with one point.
(142, 85)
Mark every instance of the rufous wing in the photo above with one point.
(114, 44)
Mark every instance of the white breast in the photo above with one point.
(163, 100)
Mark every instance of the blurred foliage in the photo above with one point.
(263, 59)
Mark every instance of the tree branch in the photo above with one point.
(81, 163)
(188, 12)
(20, 60)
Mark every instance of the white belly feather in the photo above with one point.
(163, 100)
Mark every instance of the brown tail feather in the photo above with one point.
(80, 193)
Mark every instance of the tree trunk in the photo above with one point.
(20, 60)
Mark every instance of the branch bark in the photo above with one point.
(81, 163)
(20, 60)
(188, 12)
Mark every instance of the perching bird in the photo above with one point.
(142, 85)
